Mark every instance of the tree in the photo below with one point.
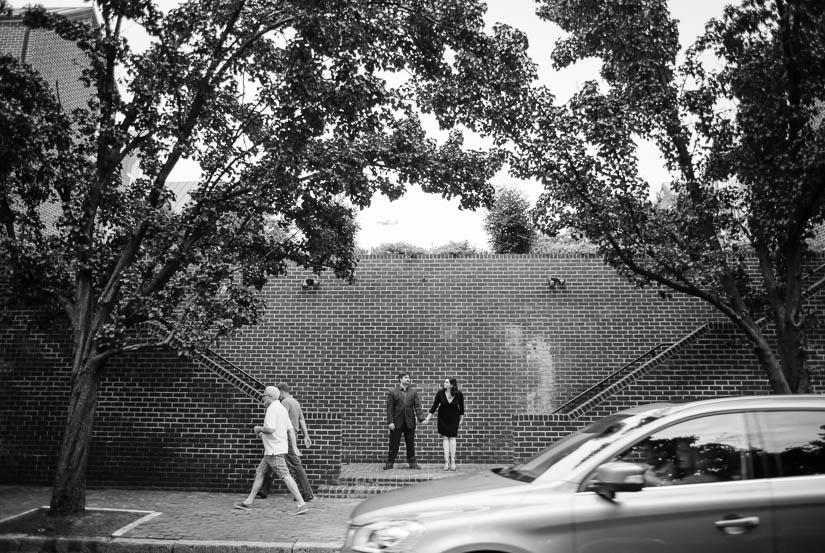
(456, 249)
(292, 109)
(508, 223)
(562, 243)
(398, 248)
(740, 134)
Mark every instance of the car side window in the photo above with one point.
(794, 442)
(706, 449)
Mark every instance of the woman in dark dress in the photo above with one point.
(449, 402)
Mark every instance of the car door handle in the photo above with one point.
(737, 525)
(744, 521)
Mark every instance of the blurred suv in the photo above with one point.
(727, 475)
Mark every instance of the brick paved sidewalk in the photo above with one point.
(209, 522)
(206, 517)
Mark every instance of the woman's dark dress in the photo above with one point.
(449, 413)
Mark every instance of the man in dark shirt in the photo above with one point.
(403, 412)
(293, 461)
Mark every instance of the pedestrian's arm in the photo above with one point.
(290, 432)
(263, 430)
(305, 430)
(302, 424)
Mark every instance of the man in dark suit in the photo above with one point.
(403, 412)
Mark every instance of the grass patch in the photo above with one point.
(90, 523)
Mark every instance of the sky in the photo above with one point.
(428, 220)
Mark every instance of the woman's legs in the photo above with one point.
(445, 442)
(452, 452)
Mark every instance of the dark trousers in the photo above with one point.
(395, 442)
(298, 472)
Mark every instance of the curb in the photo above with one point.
(21, 543)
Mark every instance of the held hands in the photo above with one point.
(258, 430)
(426, 419)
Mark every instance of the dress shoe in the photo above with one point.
(388, 466)
(415, 465)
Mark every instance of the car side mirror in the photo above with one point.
(618, 476)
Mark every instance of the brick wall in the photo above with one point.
(718, 364)
(517, 347)
(162, 421)
(59, 62)
(514, 344)
(817, 241)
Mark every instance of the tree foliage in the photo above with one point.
(296, 114)
(411, 250)
(508, 222)
(562, 243)
(456, 249)
(398, 248)
(738, 124)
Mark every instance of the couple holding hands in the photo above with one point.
(404, 411)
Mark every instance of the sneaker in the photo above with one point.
(388, 466)
(301, 510)
(452, 467)
(308, 499)
(260, 495)
(446, 467)
(415, 465)
(243, 506)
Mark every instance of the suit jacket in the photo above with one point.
(404, 408)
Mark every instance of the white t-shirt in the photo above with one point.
(276, 417)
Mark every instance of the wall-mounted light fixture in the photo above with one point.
(310, 283)
(553, 282)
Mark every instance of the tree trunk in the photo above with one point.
(787, 368)
(69, 495)
(771, 365)
(792, 344)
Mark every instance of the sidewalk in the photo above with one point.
(193, 522)
(203, 522)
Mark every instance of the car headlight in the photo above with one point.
(391, 536)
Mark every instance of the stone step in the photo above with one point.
(351, 491)
(359, 480)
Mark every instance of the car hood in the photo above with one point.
(436, 498)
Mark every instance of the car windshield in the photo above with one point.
(579, 446)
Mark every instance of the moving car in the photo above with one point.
(724, 475)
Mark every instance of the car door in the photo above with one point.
(705, 503)
(793, 452)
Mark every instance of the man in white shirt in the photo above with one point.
(276, 434)
(293, 461)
